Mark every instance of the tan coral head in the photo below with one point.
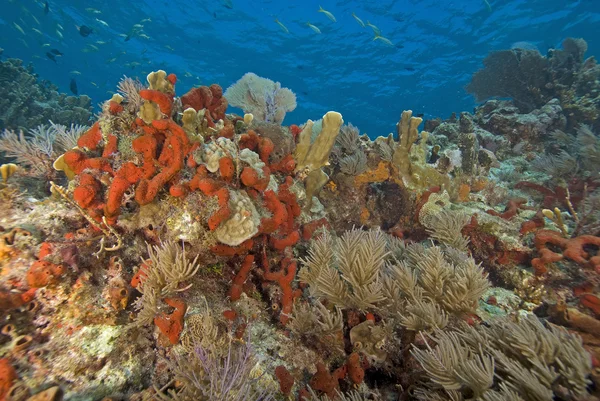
(7, 170)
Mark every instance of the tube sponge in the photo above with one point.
(316, 155)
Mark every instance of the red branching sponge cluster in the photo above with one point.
(42, 272)
(209, 98)
(572, 248)
(235, 292)
(171, 325)
(511, 209)
(329, 383)
(286, 380)
(284, 278)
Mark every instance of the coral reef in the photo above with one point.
(27, 102)
(172, 251)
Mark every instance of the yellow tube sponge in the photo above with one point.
(6, 170)
(316, 155)
(158, 81)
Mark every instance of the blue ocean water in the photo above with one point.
(434, 47)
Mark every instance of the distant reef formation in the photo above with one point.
(532, 80)
(26, 101)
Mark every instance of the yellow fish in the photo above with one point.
(327, 13)
(19, 28)
(102, 22)
(376, 30)
(314, 28)
(384, 40)
(362, 24)
(283, 27)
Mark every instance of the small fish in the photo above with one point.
(56, 52)
(283, 27)
(187, 74)
(145, 20)
(144, 36)
(100, 42)
(91, 48)
(362, 24)
(384, 40)
(314, 28)
(327, 13)
(35, 19)
(169, 48)
(46, 45)
(46, 8)
(37, 31)
(138, 26)
(102, 22)
(59, 34)
(85, 30)
(376, 30)
(111, 60)
(75, 72)
(228, 4)
(18, 27)
(93, 10)
(59, 26)
(51, 56)
(95, 84)
(24, 43)
(487, 3)
(73, 87)
(144, 51)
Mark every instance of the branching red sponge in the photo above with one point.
(284, 278)
(226, 250)
(148, 189)
(278, 211)
(573, 249)
(127, 175)
(164, 101)
(87, 191)
(91, 138)
(171, 325)
(235, 292)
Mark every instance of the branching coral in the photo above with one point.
(264, 99)
(41, 147)
(504, 360)
(160, 276)
(368, 271)
(205, 376)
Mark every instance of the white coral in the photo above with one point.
(243, 223)
(215, 150)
